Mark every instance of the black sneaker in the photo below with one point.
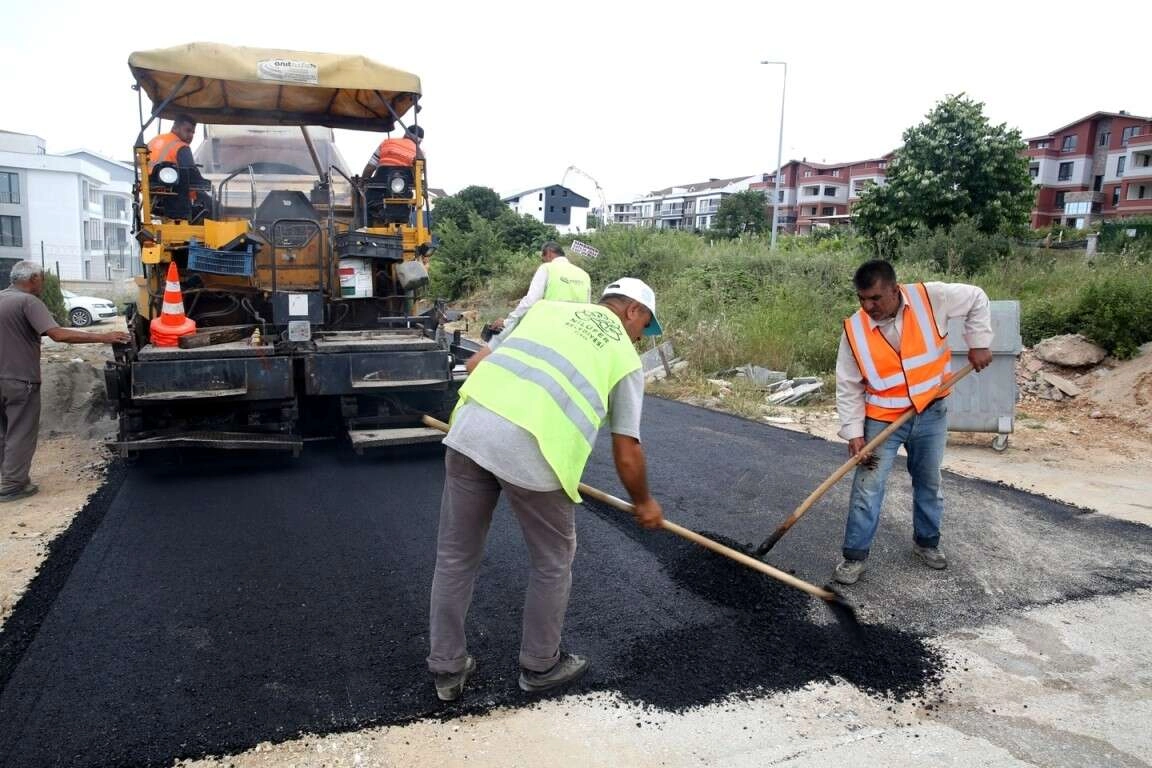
(568, 668)
(449, 685)
(23, 492)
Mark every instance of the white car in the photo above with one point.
(85, 310)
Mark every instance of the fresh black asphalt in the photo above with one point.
(200, 604)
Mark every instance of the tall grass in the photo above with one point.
(730, 302)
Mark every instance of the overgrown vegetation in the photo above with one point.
(479, 239)
(736, 301)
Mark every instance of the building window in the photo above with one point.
(1065, 172)
(540, 196)
(1115, 196)
(1042, 145)
(829, 191)
(9, 188)
(1060, 199)
(827, 211)
(812, 211)
(1034, 170)
(1120, 163)
(1078, 209)
(552, 193)
(1127, 133)
(807, 174)
(551, 209)
(883, 164)
(780, 197)
(1105, 138)
(811, 190)
(836, 172)
(1141, 192)
(1069, 143)
(10, 234)
(1098, 184)
(564, 209)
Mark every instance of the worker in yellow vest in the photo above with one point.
(556, 279)
(525, 425)
(894, 356)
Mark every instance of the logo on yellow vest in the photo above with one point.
(595, 327)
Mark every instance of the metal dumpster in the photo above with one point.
(986, 401)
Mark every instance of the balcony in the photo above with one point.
(671, 213)
(1139, 165)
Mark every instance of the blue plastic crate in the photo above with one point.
(201, 259)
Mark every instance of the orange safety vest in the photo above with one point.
(895, 381)
(163, 149)
(396, 152)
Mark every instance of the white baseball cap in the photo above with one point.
(637, 290)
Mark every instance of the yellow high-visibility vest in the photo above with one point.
(552, 377)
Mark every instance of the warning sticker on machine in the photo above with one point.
(288, 71)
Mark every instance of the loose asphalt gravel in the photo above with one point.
(201, 604)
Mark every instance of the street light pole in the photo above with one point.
(779, 155)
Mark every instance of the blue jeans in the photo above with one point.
(923, 436)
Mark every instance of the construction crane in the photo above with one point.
(605, 214)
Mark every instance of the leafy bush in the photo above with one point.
(1043, 318)
(1117, 314)
(465, 260)
(52, 297)
(962, 251)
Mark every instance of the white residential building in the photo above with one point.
(686, 206)
(555, 204)
(72, 211)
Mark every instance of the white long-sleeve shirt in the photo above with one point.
(535, 292)
(948, 300)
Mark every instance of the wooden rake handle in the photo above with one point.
(704, 541)
(848, 465)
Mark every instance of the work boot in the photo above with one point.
(568, 668)
(449, 685)
(848, 572)
(23, 492)
(933, 557)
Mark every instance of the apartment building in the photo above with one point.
(71, 211)
(815, 195)
(683, 206)
(1098, 167)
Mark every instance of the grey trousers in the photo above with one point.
(19, 430)
(548, 522)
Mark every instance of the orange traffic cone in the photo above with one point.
(172, 323)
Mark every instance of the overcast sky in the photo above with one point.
(639, 95)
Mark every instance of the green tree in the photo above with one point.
(483, 200)
(451, 208)
(52, 296)
(466, 258)
(743, 213)
(520, 232)
(953, 166)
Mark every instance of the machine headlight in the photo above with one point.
(168, 175)
(398, 185)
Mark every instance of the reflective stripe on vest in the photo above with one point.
(896, 381)
(567, 282)
(163, 149)
(552, 377)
